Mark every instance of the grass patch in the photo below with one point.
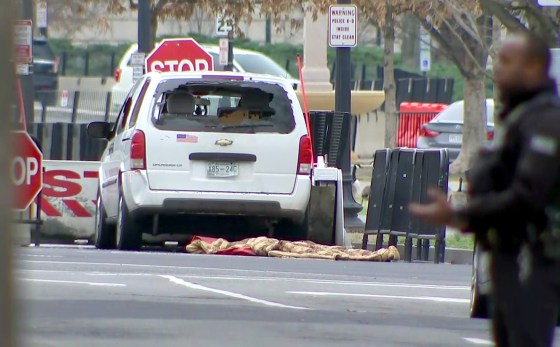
(458, 240)
(363, 212)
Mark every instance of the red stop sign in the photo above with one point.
(179, 55)
(26, 170)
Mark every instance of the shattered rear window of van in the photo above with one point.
(223, 106)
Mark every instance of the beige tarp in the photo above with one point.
(264, 246)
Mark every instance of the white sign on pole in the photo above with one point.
(425, 51)
(22, 69)
(138, 58)
(343, 26)
(549, 2)
(41, 14)
(224, 25)
(425, 61)
(64, 98)
(23, 32)
(137, 61)
(224, 51)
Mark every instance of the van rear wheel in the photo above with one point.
(129, 234)
(104, 233)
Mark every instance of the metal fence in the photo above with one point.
(92, 62)
(60, 125)
(77, 106)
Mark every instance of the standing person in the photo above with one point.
(513, 188)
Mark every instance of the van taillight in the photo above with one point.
(490, 135)
(117, 74)
(138, 151)
(305, 159)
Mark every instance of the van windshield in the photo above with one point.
(222, 106)
(260, 64)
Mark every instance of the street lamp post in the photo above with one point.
(343, 103)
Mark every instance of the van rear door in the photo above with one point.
(224, 136)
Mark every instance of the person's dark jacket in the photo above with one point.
(510, 186)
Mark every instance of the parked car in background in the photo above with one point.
(45, 72)
(446, 129)
(245, 61)
(191, 150)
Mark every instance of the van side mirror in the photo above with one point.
(99, 130)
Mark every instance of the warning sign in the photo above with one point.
(23, 40)
(343, 26)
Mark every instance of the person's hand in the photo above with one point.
(439, 211)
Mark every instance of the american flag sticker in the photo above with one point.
(187, 138)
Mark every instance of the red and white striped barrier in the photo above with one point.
(412, 116)
(69, 196)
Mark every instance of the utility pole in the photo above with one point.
(144, 26)
(8, 323)
(145, 43)
(343, 103)
(268, 30)
(229, 66)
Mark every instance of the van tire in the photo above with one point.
(129, 234)
(104, 233)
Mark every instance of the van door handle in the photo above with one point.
(111, 148)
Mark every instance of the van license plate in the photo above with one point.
(222, 169)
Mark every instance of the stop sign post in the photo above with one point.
(26, 170)
(179, 55)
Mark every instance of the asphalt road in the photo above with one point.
(85, 297)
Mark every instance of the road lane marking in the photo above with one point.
(96, 284)
(190, 285)
(481, 342)
(276, 279)
(170, 267)
(334, 282)
(319, 281)
(58, 246)
(378, 296)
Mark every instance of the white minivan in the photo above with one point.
(204, 153)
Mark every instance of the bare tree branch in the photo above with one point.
(510, 21)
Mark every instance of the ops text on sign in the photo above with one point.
(23, 169)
